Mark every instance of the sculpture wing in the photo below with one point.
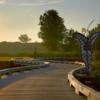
(93, 38)
(81, 38)
(83, 41)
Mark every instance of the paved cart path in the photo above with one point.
(46, 84)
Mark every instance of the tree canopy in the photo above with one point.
(52, 29)
(24, 38)
(97, 43)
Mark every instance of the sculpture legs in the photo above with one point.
(87, 61)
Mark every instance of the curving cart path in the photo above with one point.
(44, 84)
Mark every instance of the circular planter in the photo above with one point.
(90, 93)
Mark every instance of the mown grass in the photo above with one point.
(71, 55)
(5, 58)
(48, 54)
(9, 50)
(41, 54)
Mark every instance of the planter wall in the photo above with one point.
(90, 93)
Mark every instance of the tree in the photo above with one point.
(70, 42)
(52, 29)
(96, 46)
(24, 38)
(97, 43)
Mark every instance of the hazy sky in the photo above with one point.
(22, 16)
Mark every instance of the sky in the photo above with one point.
(22, 16)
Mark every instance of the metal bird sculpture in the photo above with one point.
(86, 46)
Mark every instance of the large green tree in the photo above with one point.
(52, 29)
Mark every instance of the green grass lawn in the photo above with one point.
(69, 55)
(5, 58)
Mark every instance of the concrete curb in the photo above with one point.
(90, 93)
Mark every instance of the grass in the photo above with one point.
(71, 55)
(5, 58)
(9, 50)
